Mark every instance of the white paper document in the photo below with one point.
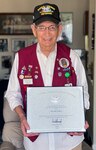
(55, 109)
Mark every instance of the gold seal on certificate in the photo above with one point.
(55, 109)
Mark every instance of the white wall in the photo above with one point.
(77, 7)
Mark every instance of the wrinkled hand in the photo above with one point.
(79, 133)
(25, 127)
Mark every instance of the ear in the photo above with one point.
(33, 29)
(60, 29)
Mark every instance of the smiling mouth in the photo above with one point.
(47, 39)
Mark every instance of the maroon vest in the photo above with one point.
(29, 69)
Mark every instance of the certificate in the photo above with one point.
(55, 109)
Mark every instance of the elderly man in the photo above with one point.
(46, 63)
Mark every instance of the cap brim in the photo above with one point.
(46, 18)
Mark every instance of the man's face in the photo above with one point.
(46, 33)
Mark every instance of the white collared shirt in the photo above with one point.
(52, 141)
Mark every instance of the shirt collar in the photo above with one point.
(38, 49)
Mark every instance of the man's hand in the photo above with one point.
(25, 127)
(79, 133)
(24, 123)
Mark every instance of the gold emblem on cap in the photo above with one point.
(64, 63)
(46, 10)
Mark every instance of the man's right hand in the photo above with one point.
(25, 126)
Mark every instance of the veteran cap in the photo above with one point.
(46, 12)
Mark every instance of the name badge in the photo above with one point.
(27, 81)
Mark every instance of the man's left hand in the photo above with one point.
(79, 133)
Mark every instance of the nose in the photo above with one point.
(47, 30)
